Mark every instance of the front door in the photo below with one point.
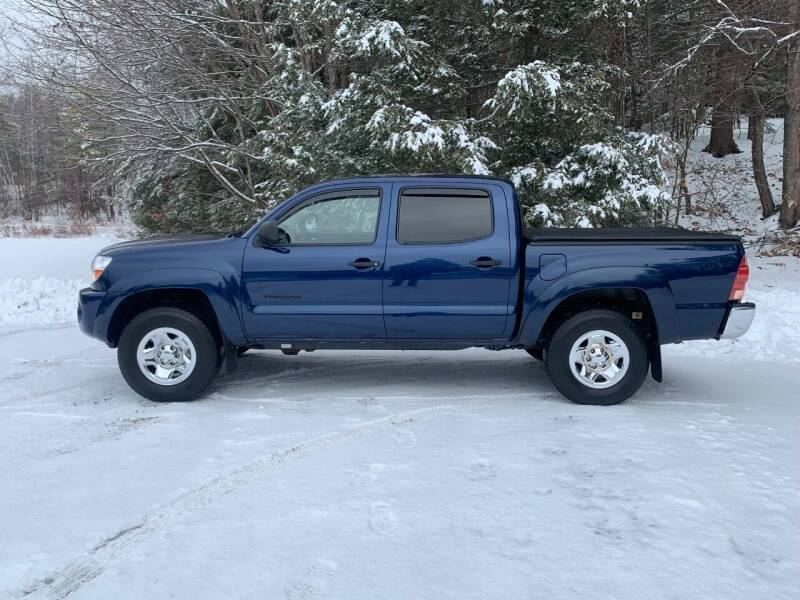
(324, 282)
(448, 268)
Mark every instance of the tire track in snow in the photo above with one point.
(81, 433)
(41, 328)
(36, 395)
(84, 569)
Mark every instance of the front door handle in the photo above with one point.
(486, 263)
(364, 263)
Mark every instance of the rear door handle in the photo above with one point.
(486, 263)
(364, 263)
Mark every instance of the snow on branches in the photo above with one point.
(220, 110)
(617, 181)
(404, 132)
(535, 81)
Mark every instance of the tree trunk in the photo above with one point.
(790, 207)
(722, 142)
(722, 119)
(682, 187)
(756, 134)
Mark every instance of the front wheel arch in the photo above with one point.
(191, 300)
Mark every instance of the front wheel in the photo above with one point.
(168, 355)
(597, 357)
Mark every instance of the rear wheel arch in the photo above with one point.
(625, 300)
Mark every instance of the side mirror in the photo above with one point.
(268, 234)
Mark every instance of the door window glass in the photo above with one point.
(440, 216)
(348, 217)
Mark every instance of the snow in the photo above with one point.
(523, 81)
(381, 36)
(401, 475)
(775, 333)
(418, 133)
(522, 175)
(44, 300)
(40, 277)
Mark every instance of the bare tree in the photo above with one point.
(757, 117)
(790, 208)
(744, 38)
(148, 71)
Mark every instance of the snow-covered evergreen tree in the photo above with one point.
(273, 96)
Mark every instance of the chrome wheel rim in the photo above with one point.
(599, 359)
(166, 356)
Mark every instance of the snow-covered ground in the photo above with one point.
(723, 189)
(392, 475)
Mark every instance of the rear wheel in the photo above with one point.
(168, 355)
(597, 357)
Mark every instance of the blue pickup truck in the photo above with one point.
(414, 262)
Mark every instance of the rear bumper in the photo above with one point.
(738, 320)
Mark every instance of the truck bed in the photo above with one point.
(624, 235)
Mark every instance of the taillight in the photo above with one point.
(740, 281)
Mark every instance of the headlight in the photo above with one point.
(99, 264)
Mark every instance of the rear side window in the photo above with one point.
(440, 215)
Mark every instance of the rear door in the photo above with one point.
(448, 268)
(324, 282)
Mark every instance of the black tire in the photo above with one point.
(208, 358)
(557, 357)
(536, 353)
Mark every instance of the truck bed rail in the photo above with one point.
(625, 235)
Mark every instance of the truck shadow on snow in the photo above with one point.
(412, 374)
(265, 375)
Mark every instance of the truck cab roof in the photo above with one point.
(448, 176)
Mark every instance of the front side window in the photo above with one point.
(348, 217)
(441, 216)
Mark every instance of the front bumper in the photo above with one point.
(738, 320)
(92, 313)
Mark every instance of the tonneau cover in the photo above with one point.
(624, 235)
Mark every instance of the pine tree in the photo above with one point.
(228, 108)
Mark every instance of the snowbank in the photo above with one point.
(40, 301)
(40, 277)
(773, 336)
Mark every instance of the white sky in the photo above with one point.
(10, 10)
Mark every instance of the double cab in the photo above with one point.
(414, 262)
